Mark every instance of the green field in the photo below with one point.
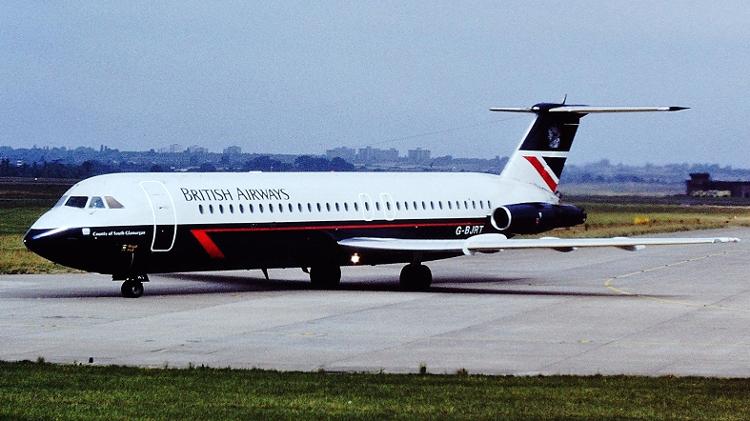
(14, 258)
(622, 219)
(45, 391)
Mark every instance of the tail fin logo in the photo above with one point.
(553, 136)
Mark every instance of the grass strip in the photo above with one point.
(67, 392)
(610, 220)
(14, 257)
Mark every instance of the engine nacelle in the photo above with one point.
(533, 218)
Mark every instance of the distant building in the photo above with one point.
(700, 184)
(419, 155)
(173, 148)
(232, 150)
(197, 149)
(369, 155)
(347, 154)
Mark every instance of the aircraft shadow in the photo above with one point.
(203, 283)
(261, 284)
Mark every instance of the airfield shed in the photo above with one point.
(700, 184)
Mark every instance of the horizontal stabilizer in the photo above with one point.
(586, 109)
(488, 243)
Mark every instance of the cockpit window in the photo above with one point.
(96, 203)
(60, 202)
(113, 203)
(77, 201)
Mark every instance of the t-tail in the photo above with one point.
(540, 158)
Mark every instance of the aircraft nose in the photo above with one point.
(28, 241)
(35, 244)
(41, 242)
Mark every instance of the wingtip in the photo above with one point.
(676, 108)
(727, 240)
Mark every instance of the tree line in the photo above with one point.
(86, 169)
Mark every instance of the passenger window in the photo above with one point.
(200, 209)
(346, 206)
(473, 204)
(211, 208)
(318, 206)
(458, 204)
(356, 206)
(309, 207)
(242, 208)
(406, 205)
(221, 208)
(96, 203)
(299, 207)
(424, 206)
(440, 204)
(367, 206)
(432, 205)
(250, 208)
(338, 208)
(328, 206)
(270, 207)
(291, 209)
(377, 205)
(112, 203)
(260, 207)
(281, 208)
(450, 206)
(489, 205)
(77, 201)
(398, 205)
(231, 208)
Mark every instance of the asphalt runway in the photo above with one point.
(663, 310)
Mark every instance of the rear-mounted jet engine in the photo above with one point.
(534, 218)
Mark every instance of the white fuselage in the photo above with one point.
(226, 198)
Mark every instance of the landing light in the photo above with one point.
(355, 258)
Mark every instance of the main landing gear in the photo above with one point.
(133, 286)
(325, 276)
(415, 277)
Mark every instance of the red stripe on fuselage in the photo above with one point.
(208, 244)
(201, 234)
(542, 172)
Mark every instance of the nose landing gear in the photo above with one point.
(133, 286)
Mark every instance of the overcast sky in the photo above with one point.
(302, 77)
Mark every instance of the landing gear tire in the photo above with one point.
(131, 288)
(133, 285)
(325, 277)
(415, 277)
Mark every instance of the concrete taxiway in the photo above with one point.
(663, 310)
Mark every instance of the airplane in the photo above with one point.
(130, 225)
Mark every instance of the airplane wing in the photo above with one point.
(490, 243)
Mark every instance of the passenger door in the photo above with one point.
(162, 208)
